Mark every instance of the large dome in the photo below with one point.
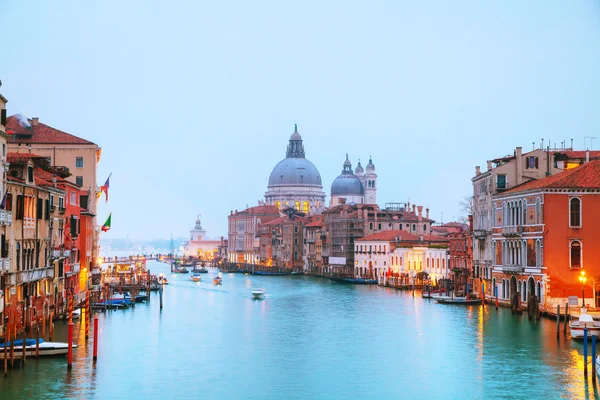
(295, 171)
(345, 185)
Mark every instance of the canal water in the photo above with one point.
(308, 339)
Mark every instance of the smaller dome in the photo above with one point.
(359, 169)
(345, 185)
(370, 166)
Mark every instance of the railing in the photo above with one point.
(512, 268)
(5, 217)
(479, 233)
(512, 230)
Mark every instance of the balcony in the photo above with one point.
(480, 234)
(5, 217)
(61, 210)
(512, 268)
(512, 231)
(310, 241)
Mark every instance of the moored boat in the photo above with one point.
(355, 281)
(258, 293)
(45, 348)
(196, 277)
(458, 300)
(585, 320)
(217, 280)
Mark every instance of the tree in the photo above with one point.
(465, 206)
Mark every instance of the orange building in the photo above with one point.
(545, 235)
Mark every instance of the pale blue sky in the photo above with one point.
(193, 102)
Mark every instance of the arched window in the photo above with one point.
(414, 227)
(298, 205)
(504, 214)
(538, 210)
(278, 205)
(576, 254)
(575, 208)
(295, 255)
(524, 219)
(305, 207)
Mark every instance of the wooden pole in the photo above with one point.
(496, 301)
(87, 320)
(585, 350)
(95, 338)
(593, 358)
(6, 335)
(558, 321)
(70, 349)
(24, 346)
(43, 324)
(37, 341)
(51, 323)
(12, 342)
(566, 318)
(161, 296)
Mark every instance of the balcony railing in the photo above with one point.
(512, 231)
(5, 217)
(480, 233)
(512, 268)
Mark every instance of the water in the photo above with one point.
(308, 339)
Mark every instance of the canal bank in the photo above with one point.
(309, 338)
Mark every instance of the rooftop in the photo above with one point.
(585, 176)
(37, 132)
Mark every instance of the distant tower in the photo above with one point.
(369, 180)
(197, 233)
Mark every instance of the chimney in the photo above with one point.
(420, 238)
(489, 165)
(519, 161)
(587, 156)
(427, 213)
(420, 209)
(35, 121)
(477, 170)
(231, 212)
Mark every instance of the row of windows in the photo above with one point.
(515, 213)
(363, 248)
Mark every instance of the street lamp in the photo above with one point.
(582, 279)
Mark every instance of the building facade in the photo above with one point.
(199, 246)
(243, 233)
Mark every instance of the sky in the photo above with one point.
(193, 102)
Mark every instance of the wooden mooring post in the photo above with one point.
(558, 321)
(585, 350)
(566, 319)
(593, 358)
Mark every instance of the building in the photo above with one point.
(460, 259)
(199, 246)
(78, 155)
(355, 187)
(503, 174)
(295, 181)
(243, 239)
(544, 234)
(401, 254)
(5, 216)
(313, 245)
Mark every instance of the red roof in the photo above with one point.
(18, 158)
(315, 224)
(276, 221)
(39, 133)
(585, 176)
(580, 153)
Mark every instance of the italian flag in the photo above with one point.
(106, 225)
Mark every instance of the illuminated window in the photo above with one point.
(278, 205)
(305, 207)
(298, 205)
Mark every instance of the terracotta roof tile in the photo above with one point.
(18, 158)
(40, 133)
(585, 176)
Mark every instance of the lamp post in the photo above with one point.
(582, 279)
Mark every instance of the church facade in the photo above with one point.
(199, 246)
(295, 181)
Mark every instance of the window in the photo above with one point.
(501, 182)
(79, 181)
(414, 227)
(305, 207)
(295, 229)
(61, 203)
(379, 226)
(298, 205)
(278, 205)
(532, 163)
(30, 174)
(424, 228)
(51, 200)
(575, 254)
(79, 162)
(73, 200)
(575, 208)
(538, 210)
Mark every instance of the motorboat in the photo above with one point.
(258, 293)
(585, 321)
(196, 277)
(217, 280)
(184, 271)
(45, 348)
(76, 314)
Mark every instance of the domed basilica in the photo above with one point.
(355, 187)
(295, 181)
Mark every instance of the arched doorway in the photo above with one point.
(531, 286)
(494, 288)
(513, 287)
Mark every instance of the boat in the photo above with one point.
(585, 321)
(76, 314)
(184, 271)
(272, 273)
(45, 348)
(258, 293)
(473, 301)
(432, 294)
(203, 270)
(196, 277)
(355, 281)
(295, 273)
(217, 280)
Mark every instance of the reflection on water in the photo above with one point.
(308, 338)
